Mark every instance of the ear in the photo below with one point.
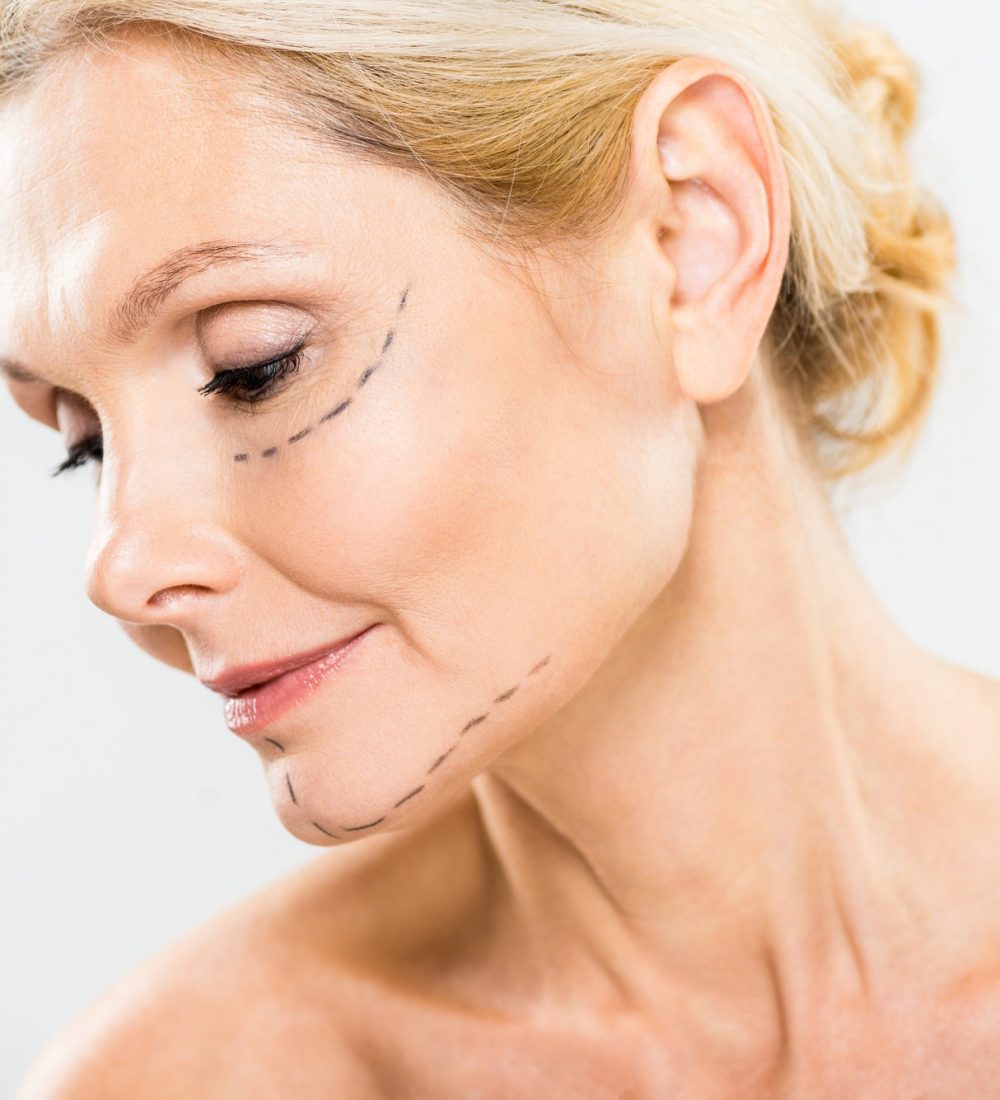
(707, 171)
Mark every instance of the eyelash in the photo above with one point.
(263, 379)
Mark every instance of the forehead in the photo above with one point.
(119, 156)
(104, 134)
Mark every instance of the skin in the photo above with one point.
(709, 840)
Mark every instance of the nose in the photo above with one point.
(158, 549)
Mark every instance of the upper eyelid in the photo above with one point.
(294, 348)
(241, 321)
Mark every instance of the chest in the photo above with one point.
(428, 1054)
(408, 1045)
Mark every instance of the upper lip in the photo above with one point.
(235, 679)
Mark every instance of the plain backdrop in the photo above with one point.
(132, 814)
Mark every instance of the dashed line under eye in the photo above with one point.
(270, 452)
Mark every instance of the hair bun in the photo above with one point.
(910, 236)
(871, 397)
(886, 81)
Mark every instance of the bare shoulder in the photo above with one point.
(233, 1008)
(273, 997)
(149, 1038)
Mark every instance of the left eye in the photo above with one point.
(254, 384)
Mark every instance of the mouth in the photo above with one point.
(255, 701)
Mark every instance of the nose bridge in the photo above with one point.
(159, 526)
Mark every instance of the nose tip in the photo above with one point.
(109, 576)
(151, 574)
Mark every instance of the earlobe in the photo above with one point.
(717, 158)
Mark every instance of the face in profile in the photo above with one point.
(331, 412)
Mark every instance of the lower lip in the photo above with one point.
(257, 708)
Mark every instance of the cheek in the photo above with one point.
(412, 501)
(476, 503)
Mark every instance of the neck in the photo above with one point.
(710, 821)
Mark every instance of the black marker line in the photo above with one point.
(368, 373)
(290, 791)
(299, 435)
(241, 458)
(474, 722)
(410, 795)
(270, 451)
(437, 763)
(354, 828)
(339, 409)
(440, 760)
(273, 742)
(388, 340)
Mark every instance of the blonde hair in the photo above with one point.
(521, 109)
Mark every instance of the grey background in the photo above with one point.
(132, 814)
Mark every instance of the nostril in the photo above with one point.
(166, 597)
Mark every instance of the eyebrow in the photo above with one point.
(151, 290)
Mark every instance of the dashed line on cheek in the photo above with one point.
(437, 763)
(407, 797)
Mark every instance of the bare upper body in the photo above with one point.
(399, 969)
(729, 833)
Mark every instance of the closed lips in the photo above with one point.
(260, 705)
(245, 678)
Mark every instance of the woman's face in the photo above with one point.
(502, 494)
